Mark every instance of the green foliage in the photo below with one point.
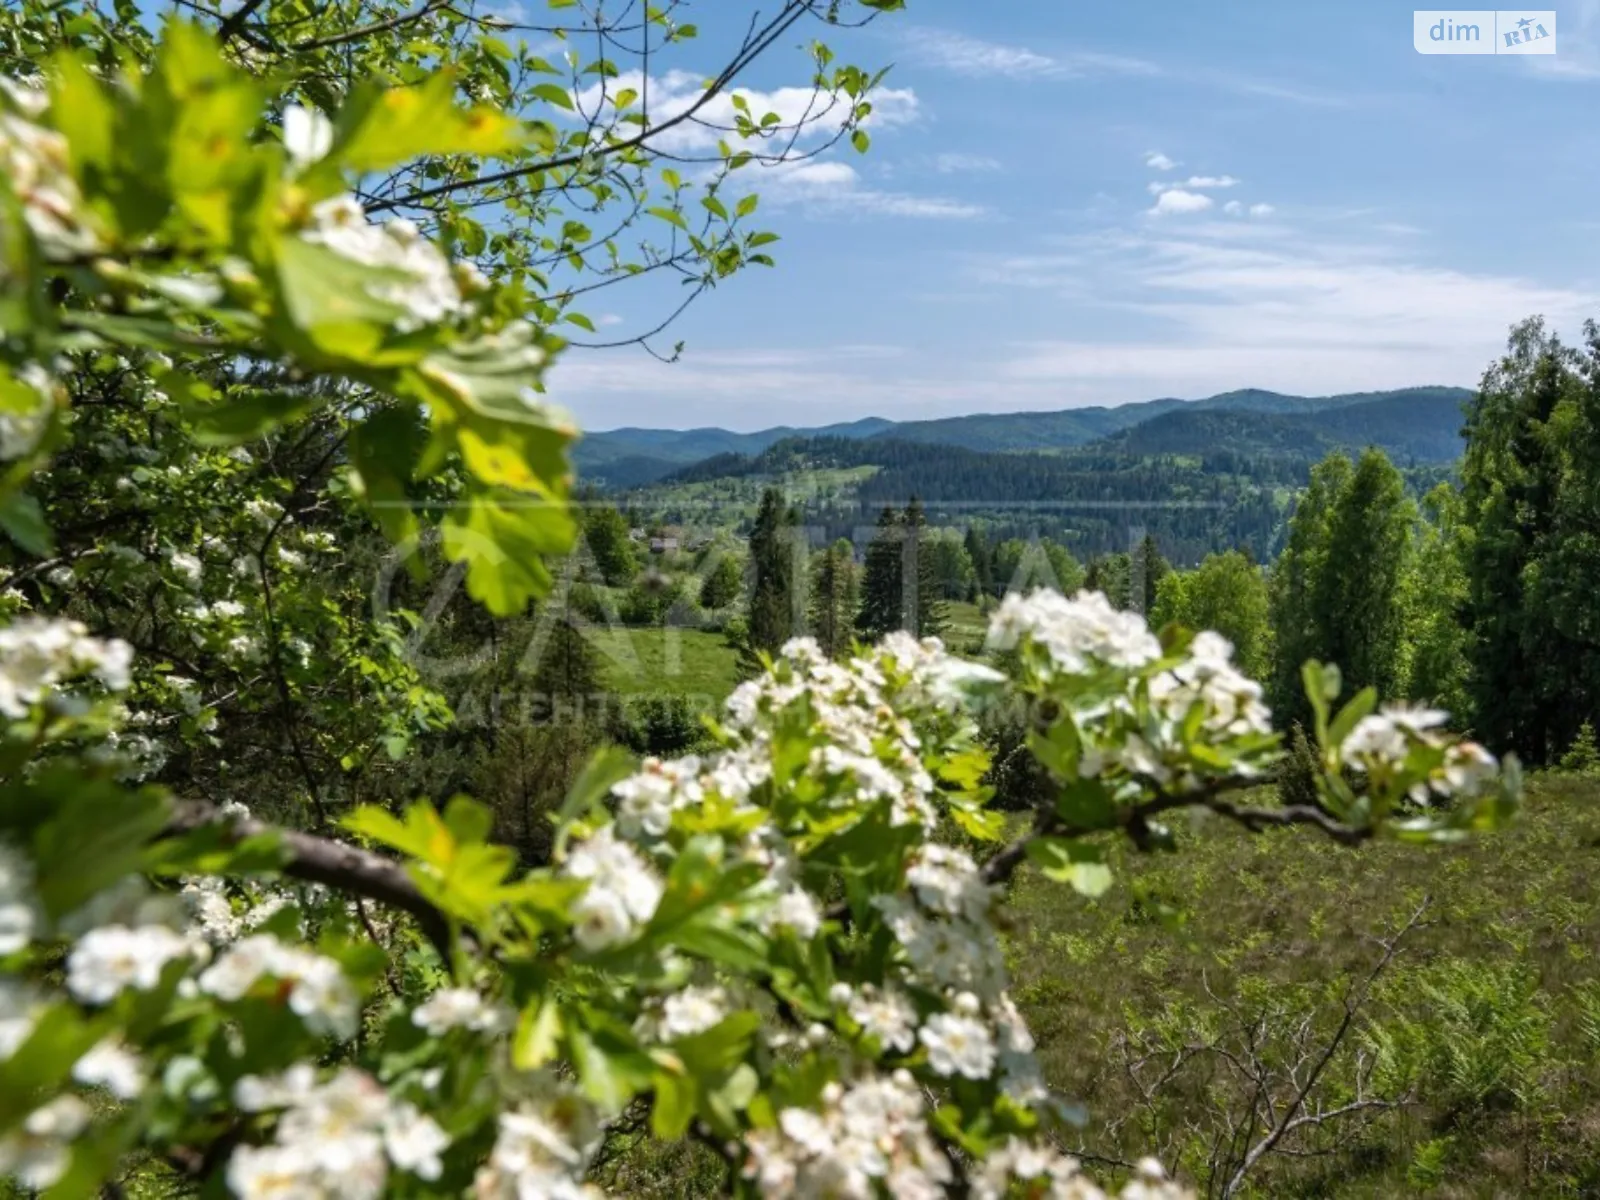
(1528, 512)
(776, 589)
(835, 593)
(1227, 593)
(722, 582)
(605, 533)
(1583, 756)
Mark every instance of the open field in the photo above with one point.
(692, 662)
(1487, 1017)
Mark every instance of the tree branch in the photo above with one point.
(334, 864)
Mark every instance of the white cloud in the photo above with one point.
(1177, 201)
(1158, 161)
(973, 56)
(1262, 210)
(1210, 181)
(606, 320)
(1270, 312)
(1233, 208)
(835, 188)
(952, 164)
(676, 92)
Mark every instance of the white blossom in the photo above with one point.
(307, 135)
(958, 1045)
(886, 1015)
(113, 1066)
(36, 1155)
(20, 916)
(106, 961)
(37, 654)
(458, 1008)
(319, 994)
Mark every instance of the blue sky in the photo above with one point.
(1341, 214)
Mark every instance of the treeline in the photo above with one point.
(1478, 597)
(1088, 498)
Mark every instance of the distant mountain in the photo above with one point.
(1419, 426)
(632, 457)
(1416, 423)
(1080, 426)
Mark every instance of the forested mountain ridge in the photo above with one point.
(1413, 423)
(1423, 427)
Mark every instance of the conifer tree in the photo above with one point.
(773, 598)
(1150, 569)
(924, 609)
(882, 592)
(834, 596)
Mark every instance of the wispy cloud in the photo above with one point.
(955, 164)
(1158, 161)
(836, 189)
(966, 55)
(1272, 312)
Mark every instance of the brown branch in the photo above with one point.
(1134, 821)
(338, 865)
(748, 53)
(355, 35)
(1293, 1117)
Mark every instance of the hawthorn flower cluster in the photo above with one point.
(334, 1137)
(434, 289)
(37, 654)
(1388, 736)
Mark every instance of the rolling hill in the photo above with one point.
(1419, 424)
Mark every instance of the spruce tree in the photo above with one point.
(882, 593)
(924, 610)
(834, 595)
(1339, 588)
(1150, 569)
(770, 616)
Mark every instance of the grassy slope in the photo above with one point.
(692, 661)
(1289, 916)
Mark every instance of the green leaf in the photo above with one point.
(538, 1032)
(24, 523)
(860, 140)
(1067, 861)
(242, 418)
(380, 128)
(671, 216)
(1362, 703)
(607, 767)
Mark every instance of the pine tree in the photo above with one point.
(834, 596)
(882, 592)
(773, 597)
(1149, 568)
(924, 610)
